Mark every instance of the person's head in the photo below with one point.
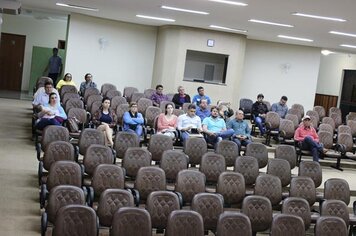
(133, 107)
(239, 115)
(191, 110)
(159, 89)
(260, 97)
(306, 121)
(200, 90)
(48, 87)
(67, 77)
(169, 109)
(214, 111)
(105, 103)
(283, 100)
(181, 90)
(203, 104)
(55, 51)
(88, 77)
(52, 98)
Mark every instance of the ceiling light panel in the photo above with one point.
(185, 10)
(230, 2)
(318, 17)
(77, 7)
(295, 38)
(156, 18)
(343, 34)
(348, 46)
(227, 28)
(270, 23)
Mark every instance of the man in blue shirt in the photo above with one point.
(54, 66)
(281, 107)
(202, 110)
(201, 95)
(242, 132)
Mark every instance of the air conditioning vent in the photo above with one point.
(10, 7)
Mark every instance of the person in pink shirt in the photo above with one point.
(167, 123)
(306, 135)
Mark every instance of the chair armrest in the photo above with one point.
(44, 223)
(89, 192)
(38, 150)
(40, 172)
(135, 193)
(43, 195)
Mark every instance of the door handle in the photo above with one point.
(20, 64)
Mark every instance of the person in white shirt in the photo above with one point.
(189, 123)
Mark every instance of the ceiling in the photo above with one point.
(231, 16)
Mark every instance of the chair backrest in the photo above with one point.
(58, 151)
(326, 127)
(352, 124)
(116, 101)
(337, 118)
(185, 106)
(124, 140)
(63, 195)
(272, 120)
(160, 204)
(209, 206)
(296, 112)
(91, 99)
(106, 87)
(303, 187)
(288, 153)
(41, 81)
(95, 106)
(350, 116)
(95, 155)
(313, 113)
(230, 223)
(163, 104)
(344, 129)
(76, 220)
(64, 172)
(73, 103)
(330, 121)
(246, 105)
(258, 151)
(195, 148)
(68, 96)
(320, 110)
(178, 112)
(189, 183)
(150, 115)
(346, 140)
(335, 208)
(143, 104)
(110, 201)
(299, 107)
(299, 207)
(334, 110)
(229, 150)
(281, 169)
(311, 169)
(338, 189)
(79, 114)
(149, 179)
(134, 159)
(131, 221)
(231, 185)
(88, 92)
(88, 137)
(107, 176)
(148, 92)
(269, 186)
(128, 91)
(326, 138)
(170, 96)
(285, 224)
(54, 133)
(248, 167)
(314, 121)
(212, 165)
(286, 129)
(137, 96)
(259, 210)
(113, 93)
(120, 110)
(330, 225)
(294, 119)
(158, 144)
(185, 222)
(172, 162)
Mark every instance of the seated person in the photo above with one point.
(67, 80)
(167, 122)
(242, 132)
(202, 109)
(158, 96)
(41, 97)
(225, 111)
(88, 83)
(133, 120)
(51, 113)
(180, 98)
(308, 139)
(281, 107)
(201, 94)
(105, 119)
(215, 128)
(189, 123)
(259, 111)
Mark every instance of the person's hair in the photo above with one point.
(239, 112)
(159, 86)
(105, 98)
(65, 76)
(165, 108)
(260, 96)
(87, 74)
(50, 95)
(284, 98)
(191, 106)
(214, 107)
(200, 87)
(179, 87)
(132, 104)
(55, 50)
(48, 82)
(203, 99)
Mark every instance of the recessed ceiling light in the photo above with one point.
(341, 33)
(227, 28)
(318, 17)
(326, 52)
(77, 7)
(269, 23)
(295, 38)
(348, 46)
(156, 18)
(230, 2)
(185, 10)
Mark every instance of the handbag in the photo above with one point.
(73, 125)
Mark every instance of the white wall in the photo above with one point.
(43, 33)
(125, 57)
(280, 69)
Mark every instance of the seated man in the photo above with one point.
(133, 120)
(41, 97)
(180, 98)
(158, 96)
(202, 109)
(281, 107)
(189, 123)
(201, 94)
(88, 83)
(215, 127)
(308, 139)
(259, 111)
(242, 132)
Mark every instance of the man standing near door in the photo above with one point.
(54, 66)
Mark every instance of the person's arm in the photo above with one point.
(175, 100)
(297, 135)
(161, 124)
(62, 112)
(205, 127)
(60, 67)
(314, 135)
(127, 119)
(274, 107)
(187, 98)
(248, 131)
(155, 100)
(138, 120)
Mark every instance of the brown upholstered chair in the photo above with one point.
(212, 165)
(330, 121)
(231, 223)
(248, 167)
(67, 89)
(88, 137)
(311, 169)
(82, 117)
(288, 153)
(148, 92)
(128, 91)
(131, 221)
(326, 127)
(296, 112)
(88, 92)
(294, 118)
(231, 185)
(149, 179)
(330, 226)
(143, 104)
(320, 110)
(335, 208)
(299, 207)
(73, 103)
(258, 151)
(184, 222)
(95, 155)
(337, 119)
(299, 107)
(106, 87)
(116, 101)
(189, 183)
(272, 123)
(120, 110)
(124, 140)
(303, 187)
(136, 96)
(158, 144)
(134, 159)
(112, 93)
(313, 113)
(269, 186)
(107, 176)
(91, 99)
(229, 150)
(245, 104)
(68, 96)
(281, 169)
(172, 162)
(284, 224)
(338, 189)
(286, 131)
(195, 148)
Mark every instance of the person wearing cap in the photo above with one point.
(308, 139)
(281, 107)
(259, 111)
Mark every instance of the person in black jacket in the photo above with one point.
(259, 111)
(180, 98)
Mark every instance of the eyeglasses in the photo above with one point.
(53, 97)
(192, 110)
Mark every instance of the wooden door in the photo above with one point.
(12, 49)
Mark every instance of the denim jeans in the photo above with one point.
(259, 122)
(241, 142)
(309, 144)
(226, 134)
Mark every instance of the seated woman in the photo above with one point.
(133, 120)
(167, 123)
(67, 80)
(180, 98)
(51, 113)
(105, 119)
